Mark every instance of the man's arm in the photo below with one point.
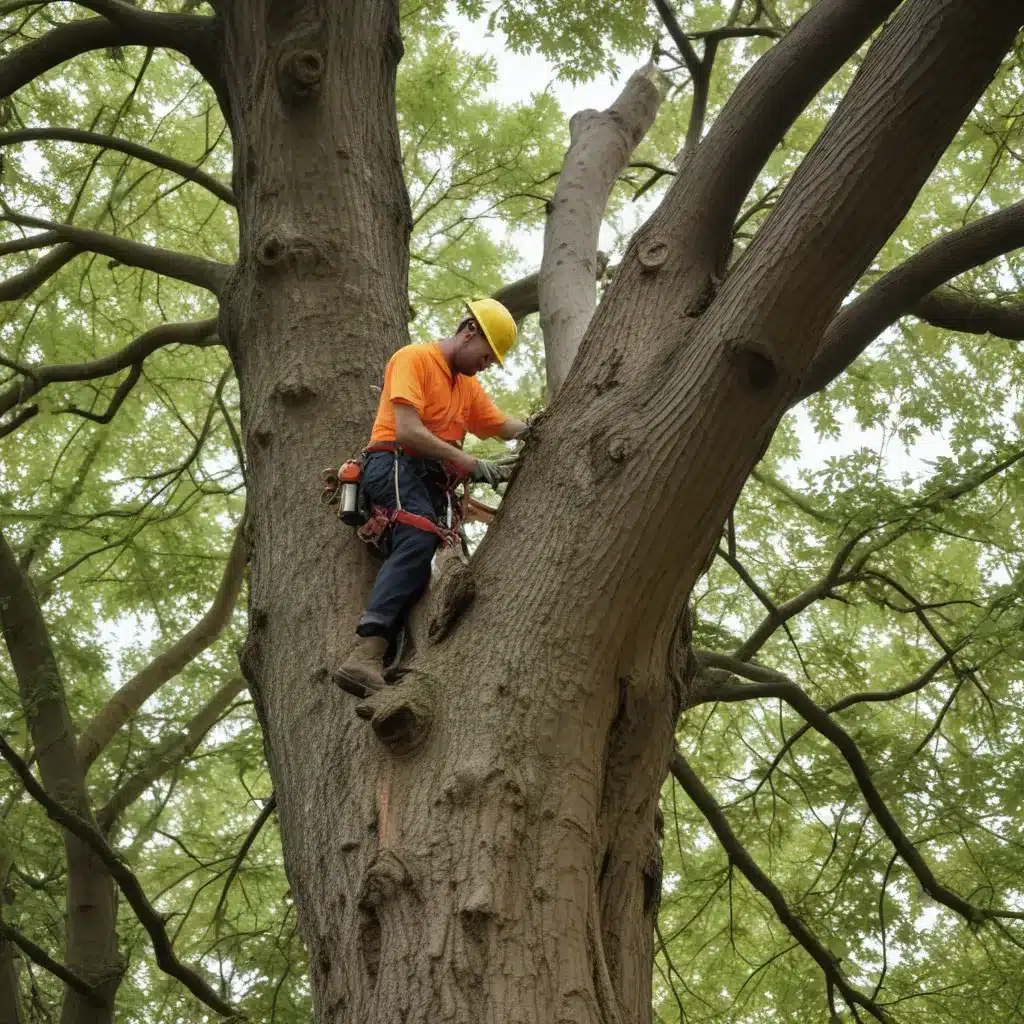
(511, 429)
(412, 434)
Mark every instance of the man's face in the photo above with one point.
(474, 354)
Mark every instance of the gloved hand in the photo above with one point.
(531, 422)
(487, 471)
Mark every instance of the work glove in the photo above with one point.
(531, 422)
(488, 471)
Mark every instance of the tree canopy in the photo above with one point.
(872, 567)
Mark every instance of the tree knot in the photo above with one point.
(299, 73)
(386, 876)
(652, 254)
(401, 715)
(276, 248)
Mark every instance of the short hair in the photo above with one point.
(464, 323)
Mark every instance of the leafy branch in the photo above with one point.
(126, 882)
(738, 855)
(771, 684)
(130, 697)
(39, 955)
(203, 273)
(200, 333)
(140, 152)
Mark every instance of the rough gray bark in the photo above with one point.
(91, 938)
(317, 304)
(600, 146)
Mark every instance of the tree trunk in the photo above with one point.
(10, 996)
(91, 912)
(317, 304)
(486, 848)
(466, 882)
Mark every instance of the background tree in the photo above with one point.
(490, 842)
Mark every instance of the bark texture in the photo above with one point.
(317, 304)
(601, 143)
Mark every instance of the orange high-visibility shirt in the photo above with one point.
(418, 375)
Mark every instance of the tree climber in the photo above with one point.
(430, 399)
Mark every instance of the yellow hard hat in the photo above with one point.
(497, 325)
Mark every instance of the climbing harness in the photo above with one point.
(343, 487)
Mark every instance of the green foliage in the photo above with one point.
(125, 529)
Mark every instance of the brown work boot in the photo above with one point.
(360, 674)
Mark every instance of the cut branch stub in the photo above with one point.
(652, 254)
(401, 716)
(279, 248)
(299, 73)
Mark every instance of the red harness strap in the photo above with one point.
(383, 518)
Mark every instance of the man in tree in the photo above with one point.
(430, 399)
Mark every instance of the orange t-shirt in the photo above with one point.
(418, 375)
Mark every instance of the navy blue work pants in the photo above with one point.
(406, 571)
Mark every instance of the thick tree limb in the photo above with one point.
(945, 308)
(41, 241)
(203, 273)
(521, 297)
(123, 704)
(126, 881)
(188, 33)
(866, 168)
(738, 855)
(171, 752)
(91, 911)
(200, 333)
(28, 280)
(152, 156)
(39, 955)
(600, 146)
(703, 203)
(898, 292)
(18, 419)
